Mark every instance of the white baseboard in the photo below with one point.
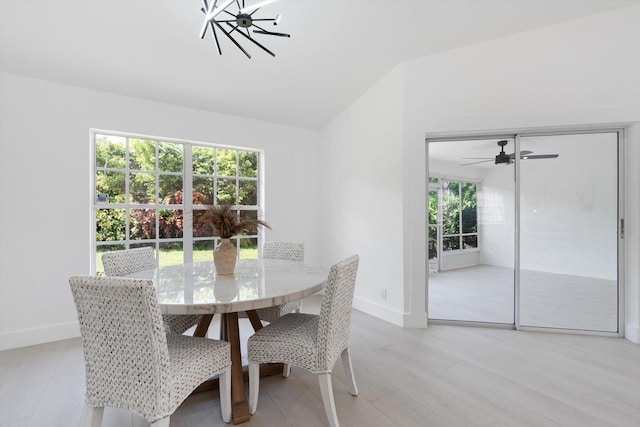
(49, 333)
(376, 310)
(632, 333)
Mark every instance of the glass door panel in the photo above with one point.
(471, 232)
(568, 232)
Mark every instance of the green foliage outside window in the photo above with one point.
(451, 209)
(459, 215)
(433, 222)
(469, 207)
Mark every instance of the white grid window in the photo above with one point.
(139, 184)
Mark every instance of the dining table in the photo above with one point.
(196, 288)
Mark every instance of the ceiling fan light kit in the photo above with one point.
(233, 17)
(507, 159)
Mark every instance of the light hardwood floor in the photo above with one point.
(439, 376)
(484, 293)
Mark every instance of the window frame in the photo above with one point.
(437, 180)
(188, 207)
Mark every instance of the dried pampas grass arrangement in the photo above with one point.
(224, 221)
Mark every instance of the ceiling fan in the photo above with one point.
(507, 159)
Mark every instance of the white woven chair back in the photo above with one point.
(335, 312)
(125, 262)
(125, 346)
(293, 251)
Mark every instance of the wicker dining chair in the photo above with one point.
(311, 341)
(131, 362)
(291, 251)
(129, 261)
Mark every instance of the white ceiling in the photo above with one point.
(151, 49)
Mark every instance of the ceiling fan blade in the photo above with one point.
(473, 163)
(478, 158)
(256, 6)
(523, 153)
(541, 156)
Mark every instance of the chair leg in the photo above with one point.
(163, 422)
(92, 416)
(254, 386)
(348, 370)
(326, 389)
(224, 382)
(286, 370)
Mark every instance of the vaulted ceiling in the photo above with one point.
(151, 49)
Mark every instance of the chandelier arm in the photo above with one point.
(215, 36)
(256, 6)
(206, 6)
(256, 43)
(214, 10)
(259, 27)
(233, 28)
(232, 39)
(211, 13)
(204, 30)
(269, 33)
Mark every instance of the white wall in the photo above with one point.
(362, 195)
(577, 73)
(496, 217)
(44, 182)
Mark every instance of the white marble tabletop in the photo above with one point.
(195, 288)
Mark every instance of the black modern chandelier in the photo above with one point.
(218, 15)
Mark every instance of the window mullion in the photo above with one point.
(157, 198)
(460, 243)
(127, 188)
(187, 203)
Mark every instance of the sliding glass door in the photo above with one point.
(523, 231)
(568, 232)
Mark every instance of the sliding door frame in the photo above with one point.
(516, 135)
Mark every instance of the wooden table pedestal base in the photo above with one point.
(230, 332)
